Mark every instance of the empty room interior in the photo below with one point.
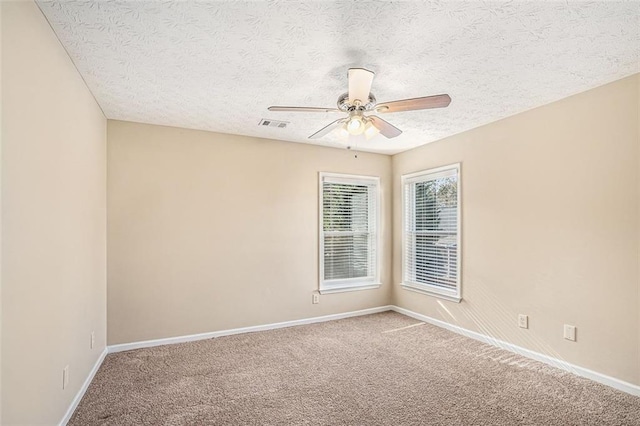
(320, 212)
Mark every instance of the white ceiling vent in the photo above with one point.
(273, 123)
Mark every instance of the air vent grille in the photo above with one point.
(273, 123)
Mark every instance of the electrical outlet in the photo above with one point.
(570, 332)
(315, 298)
(523, 321)
(93, 339)
(65, 377)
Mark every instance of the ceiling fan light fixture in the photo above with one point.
(370, 131)
(342, 133)
(355, 125)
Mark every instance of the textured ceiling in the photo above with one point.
(218, 65)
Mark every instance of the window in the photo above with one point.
(348, 232)
(431, 232)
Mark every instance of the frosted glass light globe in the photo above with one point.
(355, 126)
(370, 130)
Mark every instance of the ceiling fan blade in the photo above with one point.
(302, 109)
(386, 129)
(427, 102)
(360, 81)
(328, 128)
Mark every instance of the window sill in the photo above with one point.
(432, 292)
(343, 289)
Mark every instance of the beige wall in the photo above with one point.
(210, 231)
(0, 214)
(53, 221)
(550, 228)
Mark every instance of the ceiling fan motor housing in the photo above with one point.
(345, 105)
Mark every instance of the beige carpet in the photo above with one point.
(372, 370)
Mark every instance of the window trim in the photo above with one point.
(350, 284)
(431, 290)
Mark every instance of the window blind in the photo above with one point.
(431, 251)
(349, 230)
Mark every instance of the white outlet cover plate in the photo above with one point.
(570, 332)
(523, 321)
(65, 377)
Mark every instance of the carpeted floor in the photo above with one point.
(380, 369)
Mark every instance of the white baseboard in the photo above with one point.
(214, 334)
(627, 387)
(83, 389)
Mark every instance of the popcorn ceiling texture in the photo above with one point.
(218, 65)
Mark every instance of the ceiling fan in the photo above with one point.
(359, 103)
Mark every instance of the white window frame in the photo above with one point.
(432, 290)
(350, 284)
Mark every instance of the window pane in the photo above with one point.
(436, 260)
(436, 205)
(346, 256)
(345, 207)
